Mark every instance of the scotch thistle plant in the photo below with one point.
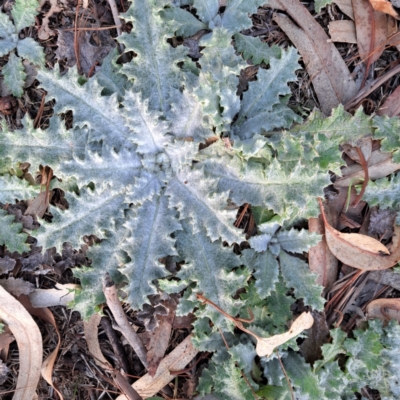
(136, 174)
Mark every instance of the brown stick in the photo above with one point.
(110, 292)
(366, 90)
(116, 345)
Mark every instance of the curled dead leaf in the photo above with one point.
(48, 364)
(361, 251)
(148, 386)
(384, 309)
(265, 346)
(29, 341)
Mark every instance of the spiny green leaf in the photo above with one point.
(154, 70)
(99, 113)
(92, 212)
(288, 193)
(31, 50)
(219, 78)
(340, 125)
(12, 188)
(6, 26)
(206, 9)
(365, 351)
(296, 275)
(8, 35)
(385, 193)
(266, 270)
(155, 222)
(38, 146)
(14, 75)
(186, 23)
(387, 130)
(149, 133)
(208, 264)
(115, 169)
(295, 241)
(303, 380)
(189, 191)
(256, 50)
(274, 392)
(109, 77)
(226, 381)
(257, 108)
(106, 257)
(24, 13)
(11, 234)
(236, 16)
(331, 350)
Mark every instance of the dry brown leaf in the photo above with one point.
(364, 144)
(346, 7)
(29, 342)
(265, 346)
(48, 364)
(62, 295)
(372, 31)
(148, 386)
(45, 31)
(384, 309)
(92, 340)
(391, 106)
(159, 339)
(320, 259)
(361, 251)
(384, 6)
(330, 76)
(342, 31)
(379, 165)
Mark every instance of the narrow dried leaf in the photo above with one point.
(391, 106)
(360, 251)
(91, 335)
(384, 6)
(265, 346)
(62, 295)
(372, 31)
(379, 165)
(320, 258)
(29, 341)
(48, 364)
(384, 309)
(38, 205)
(148, 386)
(159, 339)
(342, 31)
(330, 76)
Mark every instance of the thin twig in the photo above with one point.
(76, 39)
(286, 376)
(115, 344)
(103, 28)
(36, 122)
(115, 14)
(366, 90)
(110, 292)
